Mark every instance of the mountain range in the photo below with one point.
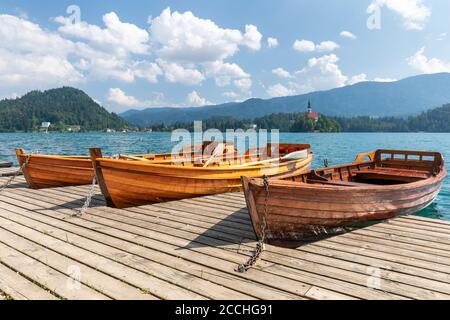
(408, 96)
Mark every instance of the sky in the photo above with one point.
(136, 54)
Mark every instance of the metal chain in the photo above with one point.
(14, 176)
(89, 196)
(260, 246)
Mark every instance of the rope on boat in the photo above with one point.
(260, 246)
(14, 176)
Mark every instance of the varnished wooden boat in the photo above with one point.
(50, 171)
(324, 201)
(133, 183)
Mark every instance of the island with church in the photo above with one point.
(308, 121)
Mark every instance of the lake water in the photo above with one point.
(338, 148)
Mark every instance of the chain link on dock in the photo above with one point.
(15, 175)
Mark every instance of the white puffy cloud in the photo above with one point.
(192, 49)
(320, 73)
(121, 101)
(272, 42)
(119, 97)
(278, 90)
(185, 38)
(310, 46)
(282, 73)
(194, 99)
(424, 64)
(304, 46)
(232, 95)
(119, 36)
(243, 84)
(176, 73)
(252, 37)
(36, 58)
(347, 34)
(414, 13)
(357, 78)
(327, 46)
(147, 70)
(178, 47)
(33, 56)
(224, 72)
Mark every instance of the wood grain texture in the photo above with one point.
(186, 248)
(44, 171)
(327, 200)
(135, 183)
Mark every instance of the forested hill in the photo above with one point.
(434, 120)
(64, 107)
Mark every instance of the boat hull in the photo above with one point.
(129, 184)
(52, 171)
(298, 211)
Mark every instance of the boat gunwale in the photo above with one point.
(294, 185)
(116, 163)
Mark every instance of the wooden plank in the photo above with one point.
(399, 241)
(174, 215)
(375, 294)
(426, 223)
(403, 249)
(20, 288)
(165, 228)
(438, 238)
(411, 285)
(405, 236)
(410, 265)
(147, 281)
(435, 221)
(47, 277)
(130, 246)
(8, 172)
(361, 279)
(108, 285)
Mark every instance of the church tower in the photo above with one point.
(310, 114)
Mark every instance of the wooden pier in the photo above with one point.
(188, 249)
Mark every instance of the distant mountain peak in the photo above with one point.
(408, 96)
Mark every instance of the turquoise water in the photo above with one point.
(336, 147)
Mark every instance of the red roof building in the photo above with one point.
(311, 115)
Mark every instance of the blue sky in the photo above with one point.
(191, 53)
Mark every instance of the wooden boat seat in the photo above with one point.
(339, 183)
(393, 174)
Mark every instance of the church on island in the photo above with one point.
(310, 114)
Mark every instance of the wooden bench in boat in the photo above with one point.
(394, 174)
(338, 183)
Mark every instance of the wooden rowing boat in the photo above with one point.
(323, 201)
(50, 171)
(133, 183)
